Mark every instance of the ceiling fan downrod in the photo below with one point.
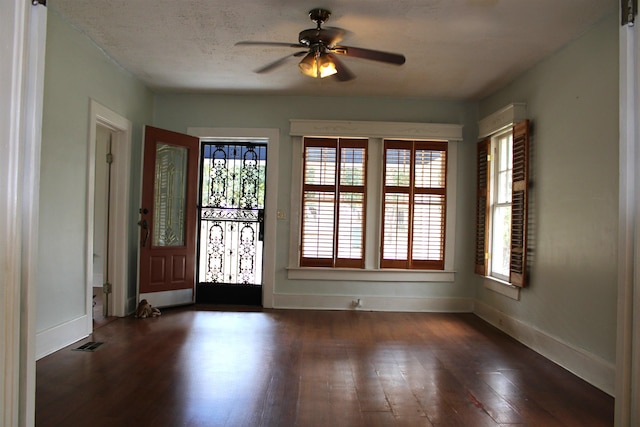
(319, 16)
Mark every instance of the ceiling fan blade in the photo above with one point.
(337, 34)
(375, 55)
(252, 43)
(278, 62)
(342, 72)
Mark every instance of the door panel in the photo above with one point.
(168, 217)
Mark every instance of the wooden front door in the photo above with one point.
(168, 217)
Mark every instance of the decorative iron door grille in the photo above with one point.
(231, 213)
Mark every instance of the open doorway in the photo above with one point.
(231, 218)
(101, 227)
(107, 128)
(271, 137)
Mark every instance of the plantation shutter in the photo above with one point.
(318, 202)
(350, 213)
(414, 204)
(482, 207)
(519, 206)
(396, 204)
(333, 202)
(429, 205)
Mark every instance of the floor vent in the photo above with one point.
(89, 346)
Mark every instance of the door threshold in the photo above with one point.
(229, 294)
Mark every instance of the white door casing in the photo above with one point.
(119, 218)
(272, 136)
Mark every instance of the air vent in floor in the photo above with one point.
(89, 346)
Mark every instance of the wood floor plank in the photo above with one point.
(212, 366)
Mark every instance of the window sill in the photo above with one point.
(502, 287)
(378, 275)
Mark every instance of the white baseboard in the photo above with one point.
(585, 365)
(591, 368)
(60, 336)
(372, 303)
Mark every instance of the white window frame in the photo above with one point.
(495, 124)
(376, 132)
(493, 182)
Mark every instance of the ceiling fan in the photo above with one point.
(321, 50)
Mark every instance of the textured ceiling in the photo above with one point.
(455, 49)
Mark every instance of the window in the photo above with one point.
(501, 216)
(500, 201)
(414, 204)
(360, 212)
(333, 202)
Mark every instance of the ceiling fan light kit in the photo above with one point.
(320, 59)
(317, 65)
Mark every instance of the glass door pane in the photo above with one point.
(170, 195)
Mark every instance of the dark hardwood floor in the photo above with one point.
(205, 366)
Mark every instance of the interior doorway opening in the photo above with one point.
(231, 222)
(106, 125)
(101, 225)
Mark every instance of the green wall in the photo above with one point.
(177, 112)
(572, 100)
(76, 70)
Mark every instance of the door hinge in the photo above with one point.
(109, 158)
(629, 10)
(106, 288)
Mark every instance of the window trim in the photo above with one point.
(376, 132)
(502, 119)
(493, 125)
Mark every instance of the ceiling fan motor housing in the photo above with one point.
(314, 36)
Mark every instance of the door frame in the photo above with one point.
(272, 138)
(121, 129)
(21, 107)
(627, 385)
